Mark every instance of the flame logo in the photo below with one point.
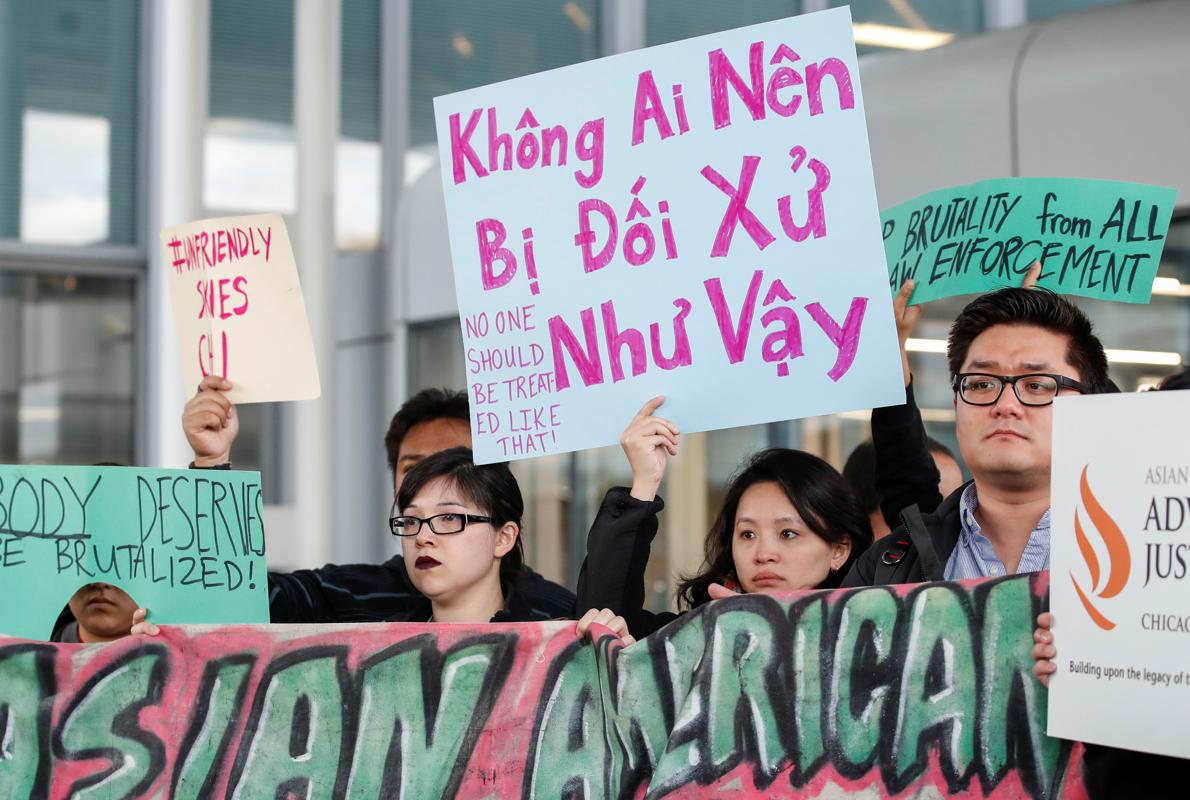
(1119, 558)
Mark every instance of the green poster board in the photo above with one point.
(186, 544)
(1100, 239)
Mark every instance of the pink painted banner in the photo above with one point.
(891, 691)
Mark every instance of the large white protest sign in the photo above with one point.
(696, 220)
(238, 308)
(1119, 585)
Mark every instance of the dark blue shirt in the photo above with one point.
(383, 592)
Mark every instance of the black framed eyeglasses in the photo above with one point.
(1033, 389)
(439, 523)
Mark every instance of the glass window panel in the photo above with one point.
(890, 25)
(68, 121)
(726, 450)
(436, 356)
(1047, 9)
(471, 43)
(249, 160)
(66, 369)
(672, 20)
(358, 163)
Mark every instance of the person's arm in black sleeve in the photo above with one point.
(618, 547)
(905, 470)
(342, 593)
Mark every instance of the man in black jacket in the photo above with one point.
(430, 421)
(1010, 353)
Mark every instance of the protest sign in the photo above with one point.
(238, 308)
(1099, 239)
(696, 220)
(892, 692)
(1121, 536)
(186, 544)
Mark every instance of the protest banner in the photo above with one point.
(697, 220)
(1098, 239)
(238, 308)
(1121, 536)
(187, 544)
(894, 692)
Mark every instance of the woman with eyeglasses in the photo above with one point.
(460, 528)
(460, 531)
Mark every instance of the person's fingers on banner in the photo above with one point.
(1044, 651)
(1032, 275)
(141, 625)
(718, 591)
(584, 622)
(608, 619)
(906, 317)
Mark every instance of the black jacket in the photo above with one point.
(613, 573)
(905, 470)
(517, 607)
(917, 550)
(382, 592)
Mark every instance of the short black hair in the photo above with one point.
(492, 487)
(425, 406)
(938, 449)
(1038, 307)
(860, 471)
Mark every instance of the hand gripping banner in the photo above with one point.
(882, 691)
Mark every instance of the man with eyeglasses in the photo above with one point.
(1010, 353)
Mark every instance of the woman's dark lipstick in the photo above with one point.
(425, 562)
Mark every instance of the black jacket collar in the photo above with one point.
(516, 608)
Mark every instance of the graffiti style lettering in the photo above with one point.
(26, 686)
(439, 725)
(101, 723)
(892, 691)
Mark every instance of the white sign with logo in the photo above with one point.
(1120, 571)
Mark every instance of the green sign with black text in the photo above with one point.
(188, 544)
(1100, 239)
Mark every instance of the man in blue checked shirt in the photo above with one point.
(1010, 353)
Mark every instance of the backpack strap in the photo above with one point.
(932, 569)
(892, 566)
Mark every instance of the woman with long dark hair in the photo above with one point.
(789, 521)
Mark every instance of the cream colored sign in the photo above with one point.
(238, 308)
(1119, 579)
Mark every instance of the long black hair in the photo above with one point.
(491, 487)
(819, 493)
